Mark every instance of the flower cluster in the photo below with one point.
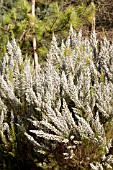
(67, 102)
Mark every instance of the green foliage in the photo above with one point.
(86, 13)
(50, 17)
(102, 77)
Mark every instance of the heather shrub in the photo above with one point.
(63, 109)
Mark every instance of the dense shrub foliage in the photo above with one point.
(50, 16)
(60, 114)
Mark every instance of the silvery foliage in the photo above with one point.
(6, 128)
(73, 93)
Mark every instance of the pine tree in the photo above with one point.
(50, 17)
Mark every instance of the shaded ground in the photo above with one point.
(107, 32)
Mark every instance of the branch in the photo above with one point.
(4, 29)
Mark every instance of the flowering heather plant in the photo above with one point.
(65, 107)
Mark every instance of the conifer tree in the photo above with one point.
(50, 17)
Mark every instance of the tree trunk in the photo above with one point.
(1, 3)
(34, 38)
